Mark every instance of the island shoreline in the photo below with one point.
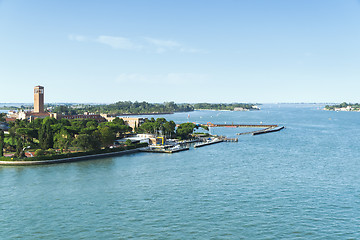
(68, 160)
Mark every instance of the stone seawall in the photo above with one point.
(67, 160)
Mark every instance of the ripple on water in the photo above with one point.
(300, 183)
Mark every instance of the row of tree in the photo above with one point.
(2, 138)
(145, 107)
(223, 106)
(355, 106)
(50, 133)
(162, 127)
(126, 107)
(62, 134)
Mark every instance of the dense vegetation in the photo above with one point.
(125, 108)
(162, 127)
(49, 134)
(223, 106)
(48, 155)
(354, 106)
(145, 107)
(129, 107)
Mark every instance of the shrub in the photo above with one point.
(50, 151)
(39, 152)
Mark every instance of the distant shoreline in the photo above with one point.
(130, 114)
(343, 107)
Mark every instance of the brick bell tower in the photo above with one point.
(38, 99)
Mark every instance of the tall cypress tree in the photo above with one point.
(42, 137)
(46, 136)
(49, 136)
(19, 146)
(1, 143)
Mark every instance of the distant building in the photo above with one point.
(38, 108)
(33, 115)
(240, 109)
(133, 122)
(12, 115)
(38, 99)
(39, 112)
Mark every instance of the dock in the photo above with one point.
(230, 140)
(162, 150)
(257, 131)
(209, 124)
(269, 131)
(207, 143)
(226, 139)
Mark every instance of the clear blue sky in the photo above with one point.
(182, 51)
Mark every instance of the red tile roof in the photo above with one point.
(10, 119)
(38, 114)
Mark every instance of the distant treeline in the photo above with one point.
(16, 107)
(354, 106)
(126, 108)
(223, 106)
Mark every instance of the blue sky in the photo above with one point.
(182, 51)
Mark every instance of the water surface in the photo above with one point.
(300, 183)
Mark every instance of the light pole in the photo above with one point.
(28, 151)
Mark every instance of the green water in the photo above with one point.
(299, 183)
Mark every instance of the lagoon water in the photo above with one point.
(299, 183)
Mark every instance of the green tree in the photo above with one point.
(88, 130)
(148, 127)
(12, 135)
(107, 136)
(19, 148)
(88, 142)
(169, 128)
(27, 134)
(2, 136)
(46, 136)
(118, 121)
(343, 105)
(92, 124)
(36, 123)
(62, 140)
(83, 141)
(39, 152)
(2, 117)
(184, 130)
